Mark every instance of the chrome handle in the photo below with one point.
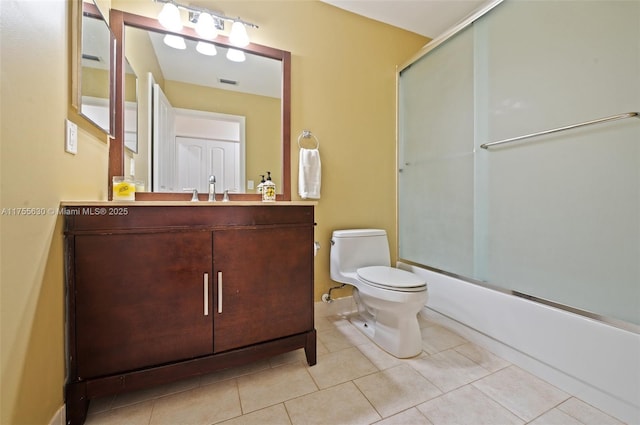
(219, 292)
(205, 285)
(568, 127)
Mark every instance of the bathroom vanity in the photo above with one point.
(160, 291)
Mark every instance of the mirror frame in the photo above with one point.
(90, 10)
(118, 20)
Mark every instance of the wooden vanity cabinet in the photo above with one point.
(260, 269)
(160, 293)
(139, 300)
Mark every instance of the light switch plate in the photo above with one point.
(71, 137)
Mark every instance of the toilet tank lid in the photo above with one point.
(355, 233)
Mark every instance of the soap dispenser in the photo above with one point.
(268, 189)
(262, 182)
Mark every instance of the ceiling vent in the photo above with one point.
(91, 57)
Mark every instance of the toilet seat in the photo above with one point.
(390, 278)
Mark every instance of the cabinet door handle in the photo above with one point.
(206, 293)
(219, 292)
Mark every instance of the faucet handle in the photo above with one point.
(194, 198)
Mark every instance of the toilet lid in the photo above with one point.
(391, 278)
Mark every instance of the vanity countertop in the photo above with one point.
(184, 203)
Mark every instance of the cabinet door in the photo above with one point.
(263, 285)
(140, 300)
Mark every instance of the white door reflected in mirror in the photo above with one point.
(193, 145)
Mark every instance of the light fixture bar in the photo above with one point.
(194, 11)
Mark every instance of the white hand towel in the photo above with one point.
(309, 174)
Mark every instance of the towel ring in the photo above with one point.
(306, 134)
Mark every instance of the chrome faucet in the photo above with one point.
(194, 193)
(212, 188)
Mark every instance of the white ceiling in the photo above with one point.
(426, 17)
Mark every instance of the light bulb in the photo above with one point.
(170, 17)
(235, 55)
(174, 41)
(206, 48)
(238, 36)
(206, 26)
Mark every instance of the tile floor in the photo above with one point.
(355, 382)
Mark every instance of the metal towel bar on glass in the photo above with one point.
(568, 127)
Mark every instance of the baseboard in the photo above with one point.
(59, 418)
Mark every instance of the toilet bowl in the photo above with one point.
(388, 298)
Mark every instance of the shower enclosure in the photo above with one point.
(519, 155)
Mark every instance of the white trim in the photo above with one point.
(60, 417)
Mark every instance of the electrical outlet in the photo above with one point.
(250, 184)
(71, 138)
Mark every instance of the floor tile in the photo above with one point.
(437, 338)
(586, 413)
(341, 366)
(448, 369)
(200, 406)
(408, 417)
(273, 386)
(273, 415)
(522, 393)
(297, 356)
(101, 404)
(321, 323)
(343, 404)
(340, 337)
(235, 372)
(355, 382)
(134, 397)
(424, 321)
(135, 414)
(333, 340)
(320, 347)
(483, 357)
(466, 406)
(380, 358)
(555, 417)
(396, 389)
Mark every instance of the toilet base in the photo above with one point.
(398, 335)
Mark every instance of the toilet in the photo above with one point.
(388, 298)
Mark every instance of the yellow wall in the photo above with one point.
(343, 77)
(35, 172)
(95, 82)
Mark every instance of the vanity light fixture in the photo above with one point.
(207, 22)
(235, 55)
(207, 49)
(174, 41)
(170, 17)
(206, 27)
(238, 35)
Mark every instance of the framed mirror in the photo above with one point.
(260, 110)
(96, 46)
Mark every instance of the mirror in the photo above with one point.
(94, 73)
(264, 109)
(130, 109)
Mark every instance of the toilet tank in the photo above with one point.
(355, 248)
